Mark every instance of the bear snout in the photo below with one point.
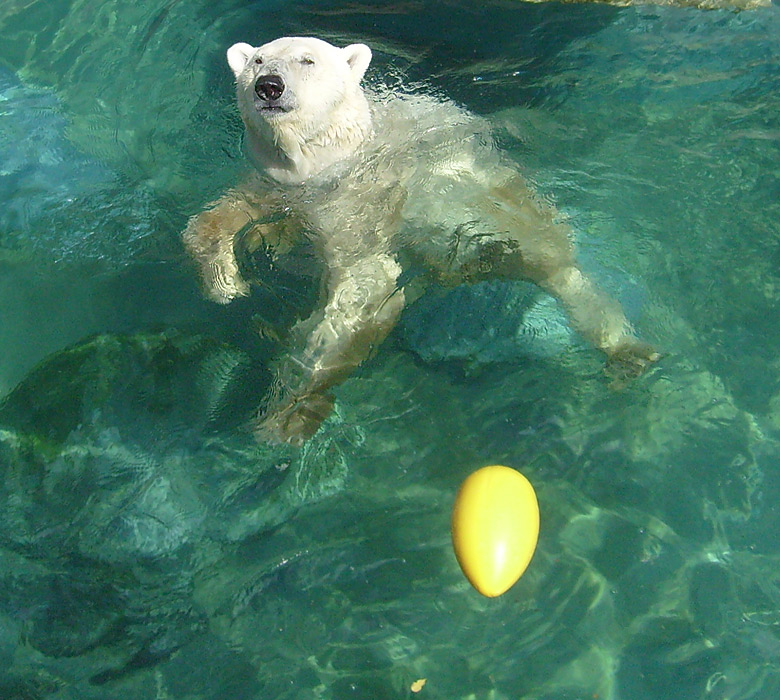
(269, 88)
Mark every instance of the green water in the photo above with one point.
(151, 549)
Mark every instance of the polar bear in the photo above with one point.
(377, 181)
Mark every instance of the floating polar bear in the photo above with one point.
(373, 181)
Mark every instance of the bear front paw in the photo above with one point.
(295, 422)
(630, 359)
(224, 283)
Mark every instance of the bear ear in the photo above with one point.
(237, 56)
(358, 57)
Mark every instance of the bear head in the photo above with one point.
(301, 102)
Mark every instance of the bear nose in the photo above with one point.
(269, 87)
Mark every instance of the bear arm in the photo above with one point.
(363, 305)
(210, 238)
(600, 319)
(540, 249)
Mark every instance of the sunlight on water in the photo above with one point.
(151, 548)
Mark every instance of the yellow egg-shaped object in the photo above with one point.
(495, 527)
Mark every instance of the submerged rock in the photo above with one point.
(126, 469)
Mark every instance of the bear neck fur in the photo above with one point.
(293, 150)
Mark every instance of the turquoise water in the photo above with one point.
(150, 549)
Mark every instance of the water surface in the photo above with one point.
(149, 548)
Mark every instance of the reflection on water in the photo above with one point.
(149, 548)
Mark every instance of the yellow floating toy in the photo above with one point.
(495, 527)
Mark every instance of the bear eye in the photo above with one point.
(259, 61)
(307, 61)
